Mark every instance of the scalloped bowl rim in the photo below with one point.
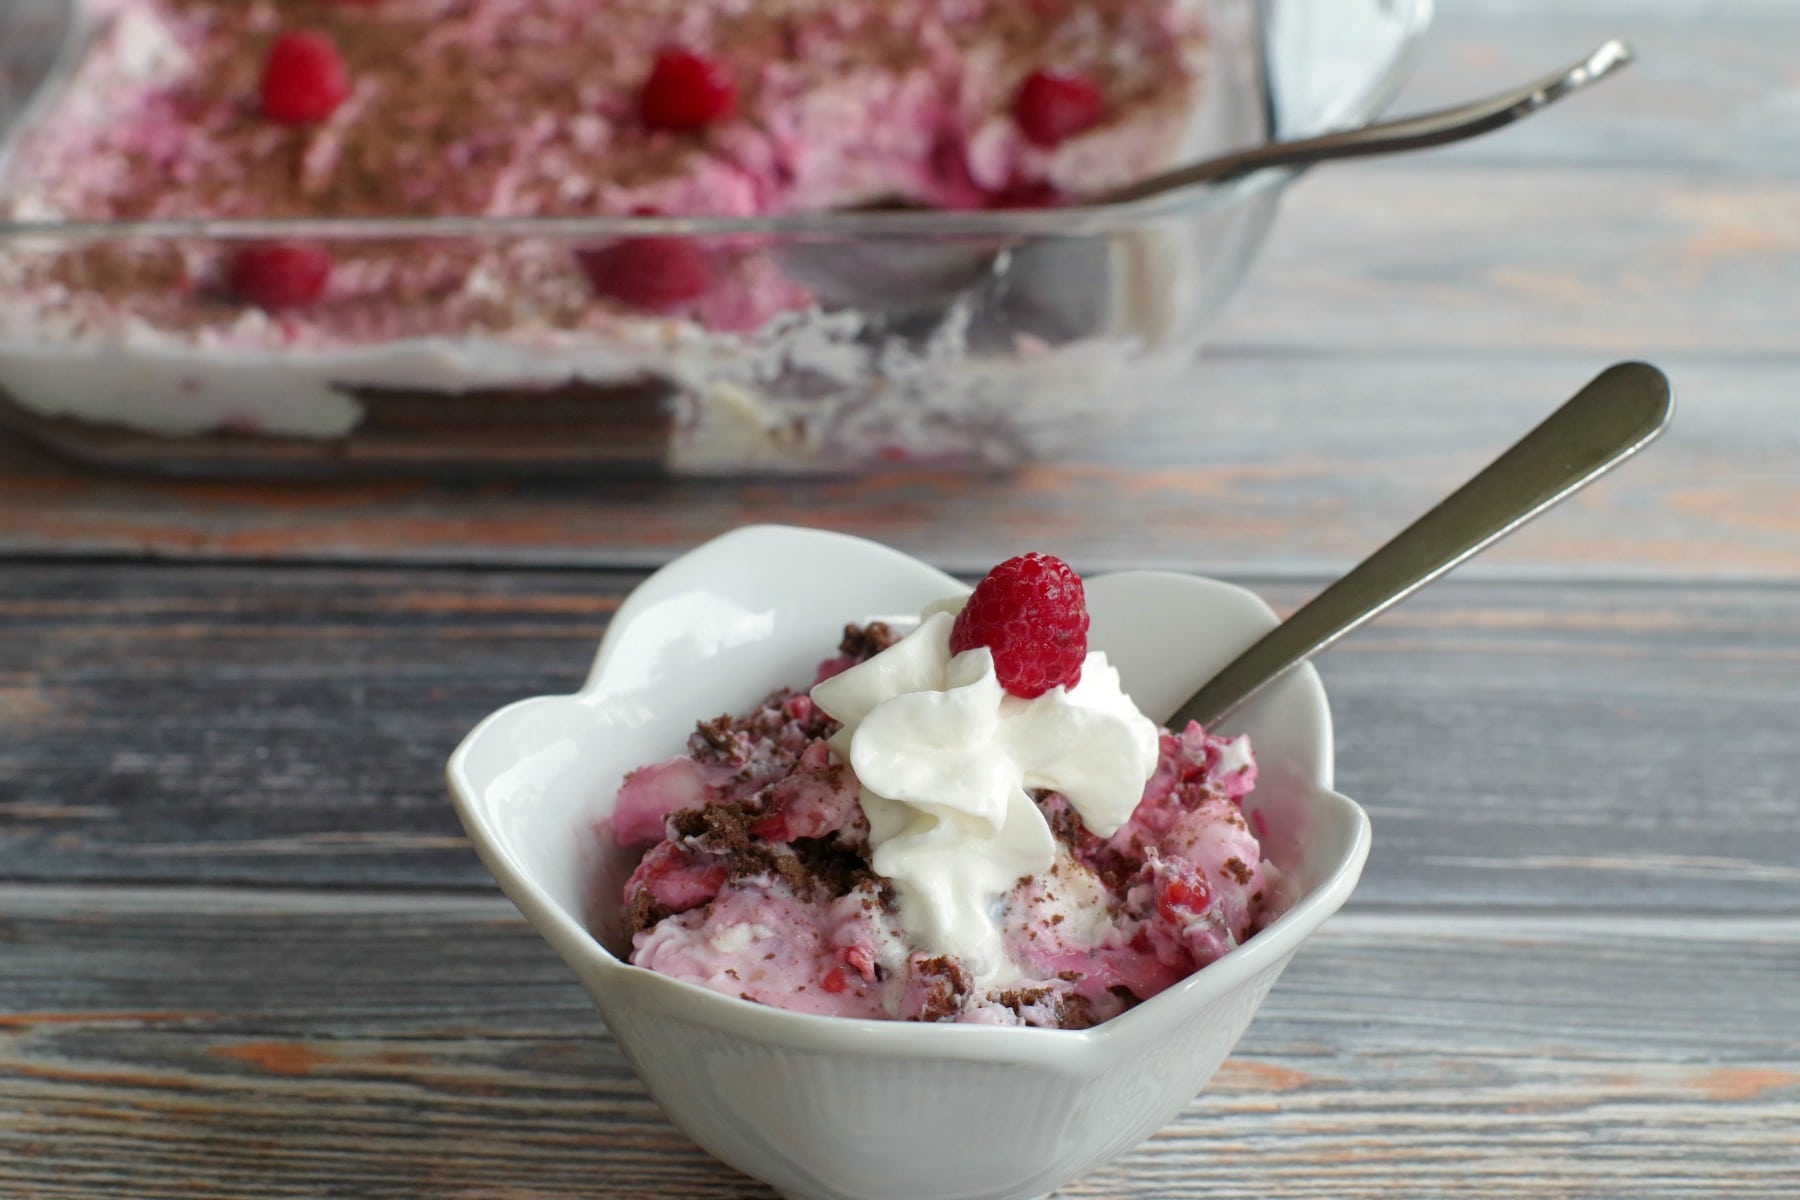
(583, 950)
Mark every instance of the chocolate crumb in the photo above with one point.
(1075, 1012)
(1235, 867)
(946, 981)
(643, 912)
(1018, 998)
(863, 642)
(828, 866)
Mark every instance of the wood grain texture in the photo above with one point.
(1569, 971)
(1407, 319)
(188, 1043)
(1712, 88)
(1607, 746)
(1225, 485)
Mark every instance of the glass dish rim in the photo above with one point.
(1069, 221)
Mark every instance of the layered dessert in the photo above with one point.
(969, 823)
(739, 349)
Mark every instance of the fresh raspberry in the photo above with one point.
(860, 959)
(834, 981)
(280, 275)
(772, 828)
(303, 79)
(1031, 612)
(686, 91)
(676, 878)
(1182, 898)
(657, 274)
(1052, 106)
(1041, 194)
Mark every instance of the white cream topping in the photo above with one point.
(1234, 756)
(944, 756)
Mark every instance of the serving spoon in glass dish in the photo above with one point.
(1619, 413)
(1420, 132)
(1001, 279)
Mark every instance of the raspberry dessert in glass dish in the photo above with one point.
(683, 235)
(969, 823)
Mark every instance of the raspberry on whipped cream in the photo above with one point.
(909, 841)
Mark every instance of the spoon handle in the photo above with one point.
(1409, 133)
(1609, 420)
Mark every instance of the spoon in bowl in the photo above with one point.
(1619, 413)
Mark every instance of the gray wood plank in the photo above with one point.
(1271, 460)
(171, 1043)
(1712, 88)
(1619, 747)
(1403, 314)
(1397, 258)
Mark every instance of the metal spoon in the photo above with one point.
(1408, 133)
(37, 38)
(1609, 420)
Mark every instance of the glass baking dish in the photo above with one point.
(833, 342)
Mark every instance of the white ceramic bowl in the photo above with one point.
(827, 1108)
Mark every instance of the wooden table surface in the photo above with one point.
(246, 952)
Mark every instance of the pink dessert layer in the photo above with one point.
(510, 108)
(755, 880)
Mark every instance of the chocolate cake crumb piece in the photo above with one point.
(1056, 918)
(723, 831)
(1018, 998)
(717, 733)
(1116, 872)
(830, 866)
(731, 972)
(1195, 796)
(947, 982)
(1075, 1012)
(1256, 897)
(1065, 825)
(644, 912)
(749, 997)
(1235, 867)
(1069, 976)
(863, 642)
(1121, 992)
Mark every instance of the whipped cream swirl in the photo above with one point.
(944, 757)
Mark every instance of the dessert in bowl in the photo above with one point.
(835, 1108)
(205, 273)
